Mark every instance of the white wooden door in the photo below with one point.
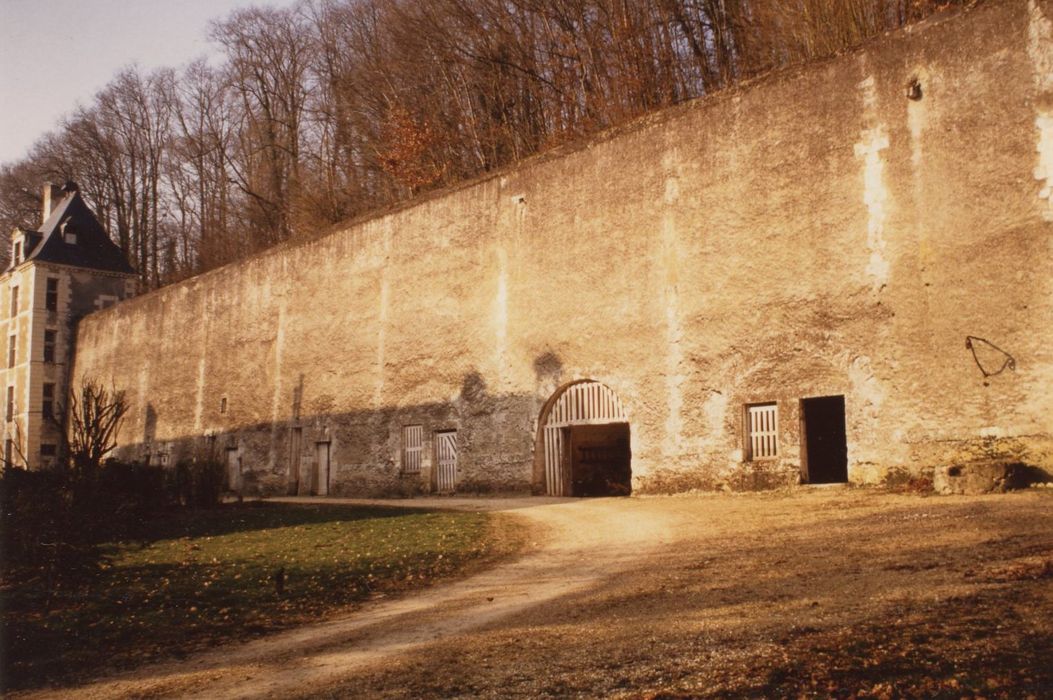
(412, 447)
(321, 479)
(233, 470)
(446, 461)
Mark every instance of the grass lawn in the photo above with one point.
(210, 576)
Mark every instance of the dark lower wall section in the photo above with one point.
(363, 454)
(818, 233)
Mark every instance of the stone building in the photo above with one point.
(58, 274)
(839, 272)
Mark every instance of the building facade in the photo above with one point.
(841, 272)
(58, 274)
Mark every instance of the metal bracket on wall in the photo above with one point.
(1008, 361)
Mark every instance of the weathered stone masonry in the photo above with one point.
(815, 233)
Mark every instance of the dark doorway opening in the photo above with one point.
(600, 460)
(825, 444)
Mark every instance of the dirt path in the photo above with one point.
(725, 595)
(577, 544)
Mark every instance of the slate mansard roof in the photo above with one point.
(93, 248)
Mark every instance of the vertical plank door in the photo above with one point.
(446, 459)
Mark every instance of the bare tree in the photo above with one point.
(95, 415)
(268, 60)
(199, 178)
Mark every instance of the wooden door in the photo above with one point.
(233, 470)
(321, 474)
(582, 403)
(412, 447)
(295, 449)
(446, 461)
(826, 447)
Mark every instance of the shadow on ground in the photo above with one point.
(249, 516)
(917, 597)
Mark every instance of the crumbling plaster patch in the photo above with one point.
(1040, 51)
(501, 319)
(1040, 46)
(917, 120)
(143, 391)
(1044, 169)
(868, 395)
(674, 369)
(866, 387)
(873, 141)
(199, 402)
(276, 399)
(384, 302)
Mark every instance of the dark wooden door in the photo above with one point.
(826, 445)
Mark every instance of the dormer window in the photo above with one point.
(68, 233)
(16, 254)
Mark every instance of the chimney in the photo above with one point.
(52, 196)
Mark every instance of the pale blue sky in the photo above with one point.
(55, 54)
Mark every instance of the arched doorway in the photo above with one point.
(583, 442)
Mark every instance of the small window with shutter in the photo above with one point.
(762, 431)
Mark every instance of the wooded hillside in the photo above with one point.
(330, 108)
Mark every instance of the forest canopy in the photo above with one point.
(327, 109)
